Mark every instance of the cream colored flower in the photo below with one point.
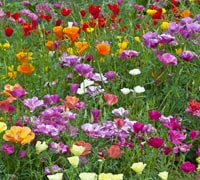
(3, 126)
(57, 176)
(117, 177)
(40, 146)
(138, 167)
(106, 176)
(125, 91)
(163, 175)
(74, 161)
(139, 89)
(77, 150)
(88, 176)
(134, 72)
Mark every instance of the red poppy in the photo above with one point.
(8, 14)
(8, 31)
(65, 11)
(114, 151)
(58, 22)
(114, 8)
(94, 11)
(110, 99)
(15, 15)
(194, 105)
(84, 26)
(174, 3)
(83, 13)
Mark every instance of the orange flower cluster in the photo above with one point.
(72, 33)
(18, 134)
(103, 49)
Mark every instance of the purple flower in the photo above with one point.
(198, 17)
(188, 167)
(194, 134)
(73, 131)
(69, 60)
(154, 115)
(139, 7)
(120, 112)
(173, 28)
(166, 38)
(127, 54)
(167, 59)
(51, 99)
(84, 70)
(57, 5)
(59, 147)
(33, 103)
(95, 115)
(52, 170)
(7, 149)
(151, 39)
(176, 137)
(89, 57)
(22, 154)
(188, 55)
(119, 2)
(110, 75)
(25, 3)
(18, 93)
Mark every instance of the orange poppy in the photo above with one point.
(110, 99)
(26, 68)
(49, 45)
(24, 56)
(18, 134)
(114, 151)
(185, 13)
(103, 49)
(58, 30)
(81, 46)
(70, 102)
(87, 147)
(72, 33)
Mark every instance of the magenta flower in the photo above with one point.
(22, 154)
(33, 103)
(154, 115)
(137, 127)
(7, 149)
(188, 167)
(74, 88)
(194, 134)
(95, 115)
(51, 99)
(188, 55)
(110, 75)
(167, 150)
(198, 152)
(139, 7)
(175, 137)
(167, 59)
(127, 54)
(156, 142)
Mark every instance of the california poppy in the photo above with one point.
(103, 49)
(72, 33)
(26, 68)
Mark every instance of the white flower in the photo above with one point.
(125, 91)
(74, 161)
(40, 146)
(86, 83)
(77, 150)
(57, 176)
(70, 24)
(163, 175)
(134, 72)
(88, 176)
(139, 89)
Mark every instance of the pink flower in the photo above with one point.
(110, 99)
(22, 153)
(188, 167)
(175, 136)
(194, 134)
(7, 149)
(154, 115)
(167, 59)
(155, 142)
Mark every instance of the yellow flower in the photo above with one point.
(57, 176)
(2, 119)
(164, 25)
(163, 175)
(123, 45)
(163, 10)
(117, 177)
(70, 51)
(138, 167)
(77, 150)
(24, 56)
(81, 46)
(90, 29)
(12, 74)
(151, 12)
(3, 126)
(40, 146)
(198, 160)
(74, 161)
(198, 168)
(178, 51)
(6, 45)
(88, 176)
(105, 176)
(137, 38)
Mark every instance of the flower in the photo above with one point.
(33, 103)
(7, 149)
(110, 99)
(187, 166)
(12, 74)
(49, 45)
(139, 89)
(138, 167)
(5, 104)
(8, 31)
(26, 68)
(114, 151)
(134, 72)
(72, 33)
(167, 59)
(188, 55)
(40, 146)
(154, 115)
(3, 126)
(22, 153)
(194, 134)
(164, 25)
(88, 176)
(74, 161)
(71, 102)
(87, 147)
(155, 142)
(81, 46)
(95, 115)
(24, 56)
(77, 150)
(163, 175)
(127, 54)
(126, 91)
(18, 134)
(57, 176)
(103, 48)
